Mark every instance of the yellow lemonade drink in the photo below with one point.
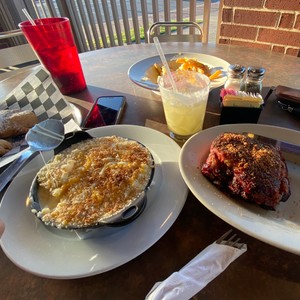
(185, 120)
(184, 106)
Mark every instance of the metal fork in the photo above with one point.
(231, 241)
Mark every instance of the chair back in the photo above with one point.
(183, 32)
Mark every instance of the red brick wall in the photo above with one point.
(265, 24)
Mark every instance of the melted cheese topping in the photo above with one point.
(93, 180)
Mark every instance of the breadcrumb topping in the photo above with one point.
(93, 180)
(248, 168)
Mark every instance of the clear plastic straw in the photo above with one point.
(28, 16)
(164, 61)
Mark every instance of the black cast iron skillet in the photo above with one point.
(125, 216)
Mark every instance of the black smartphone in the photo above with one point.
(106, 110)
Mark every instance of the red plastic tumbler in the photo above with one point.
(53, 42)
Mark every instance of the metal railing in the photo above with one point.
(10, 33)
(108, 23)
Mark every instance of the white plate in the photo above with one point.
(137, 72)
(36, 249)
(280, 228)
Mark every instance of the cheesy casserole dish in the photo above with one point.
(92, 180)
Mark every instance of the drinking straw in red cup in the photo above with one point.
(53, 42)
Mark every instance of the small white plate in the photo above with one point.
(280, 228)
(36, 249)
(138, 71)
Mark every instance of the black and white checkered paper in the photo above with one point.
(39, 93)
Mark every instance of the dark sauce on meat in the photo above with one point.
(248, 169)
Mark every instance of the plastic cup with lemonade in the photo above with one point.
(185, 106)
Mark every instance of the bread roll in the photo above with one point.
(5, 146)
(16, 122)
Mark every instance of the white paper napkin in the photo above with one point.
(194, 276)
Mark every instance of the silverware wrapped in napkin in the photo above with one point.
(195, 275)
